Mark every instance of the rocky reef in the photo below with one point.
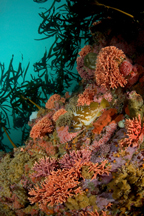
(85, 152)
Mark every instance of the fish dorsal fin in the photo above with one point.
(94, 105)
(104, 103)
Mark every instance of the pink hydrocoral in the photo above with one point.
(41, 128)
(110, 129)
(50, 104)
(46, 146)
(85, 50)
(135, 133)
(93, 93)
(41, 145)
(102, 92)
(64, 135)
(69, 160)
(44, 167)
(57, 187)
(87, 97)
(107, 67)
(95, 213)
(98, 169)
(58, 113)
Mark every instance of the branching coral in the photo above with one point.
(68, 160)
(87, 97)
(85, 50)
(51, 103)
(98, 169)
(135, 133)
(63, 184)
(55, 189)
(110, 129)
(42, 128)
(58, 113)
(107, 67)
(44, 167)
(14, 180)
(64, 135)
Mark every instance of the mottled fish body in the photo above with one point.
(83, 116)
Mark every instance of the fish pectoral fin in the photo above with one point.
(90, 126)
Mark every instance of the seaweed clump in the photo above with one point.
(128, 189)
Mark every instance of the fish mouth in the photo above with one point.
(73, 130)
